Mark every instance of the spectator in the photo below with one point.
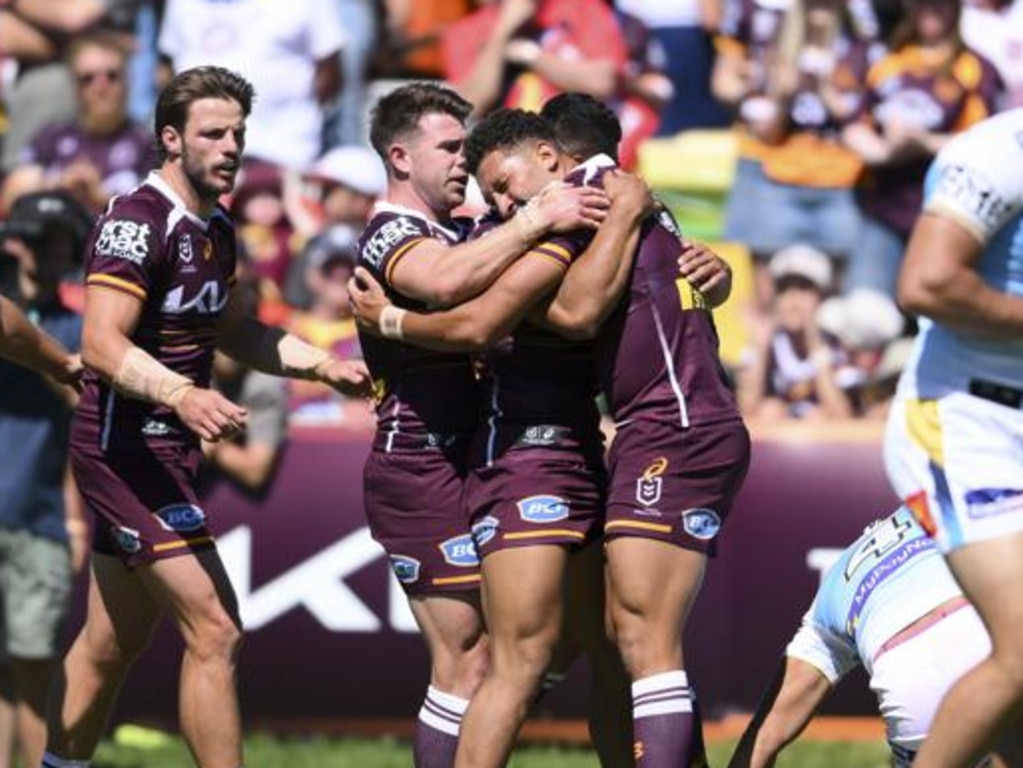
(101, 152)
(412, 36)
(289, 50)
(869, 326)
(684, 31)
(793, 372)
(345, 121)
(643, 88)
(43, 92)
(347, 181)
(330, 325)
(793, 75)
(917, 97)
(519, 53)
(994, 29)
(42, 532)
(265, 231)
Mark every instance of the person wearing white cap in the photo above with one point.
(792, 372)
(350, 179)
(869, 325)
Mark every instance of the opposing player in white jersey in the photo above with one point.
(890, 604)
(954, 444)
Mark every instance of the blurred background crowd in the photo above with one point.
(791, 135)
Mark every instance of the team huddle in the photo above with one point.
(521, 540)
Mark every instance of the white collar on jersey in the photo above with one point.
(591, 165)
(382, 206)
(156, 182)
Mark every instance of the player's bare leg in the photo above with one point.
(653, 586)
(586, 620)
(522, 590)
(452, 626)
(199, 596)
(91, 674)
(978, 707)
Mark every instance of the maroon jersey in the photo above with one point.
(421, 395)
(906, 87)
(657, 355)
(180, 267)
(539, 388)
(122, 159)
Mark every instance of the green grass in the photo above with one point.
(271, 752)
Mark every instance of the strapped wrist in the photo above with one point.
(301, 360)
(143, 377)
(529, 221)
(391, 319)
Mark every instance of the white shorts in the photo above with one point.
(957, 462)
(910, 679)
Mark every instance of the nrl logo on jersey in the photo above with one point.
(120, 239)
(185, 249)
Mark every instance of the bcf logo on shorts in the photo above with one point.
(181, 517)
(648, 486)
(542, 509)
(701, 523)
(460, 551)
(405, 568)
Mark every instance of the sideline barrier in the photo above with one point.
(329, 635)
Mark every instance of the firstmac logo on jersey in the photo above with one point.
(122, 239)
(384, 239)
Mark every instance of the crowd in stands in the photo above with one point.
(834, 109)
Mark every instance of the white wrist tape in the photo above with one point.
(529, 222)
(300, 359)
(143, 377)
(391, 318)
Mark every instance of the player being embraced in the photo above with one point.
(427, 401)
(159, 266)
(681, 449)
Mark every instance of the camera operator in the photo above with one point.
(43, 536)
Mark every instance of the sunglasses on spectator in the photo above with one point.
(110, 75)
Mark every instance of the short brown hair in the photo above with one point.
(400, 111)
(191, 85)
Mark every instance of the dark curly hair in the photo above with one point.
(399, 112)
(583, 125)
(504, 129)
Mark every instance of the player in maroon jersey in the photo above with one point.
(681, 449)
(159, 265)
(427, 401)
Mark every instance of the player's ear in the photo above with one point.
(399, 158)
(548, 155)
(171, 140)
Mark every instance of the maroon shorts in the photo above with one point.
(529, 496)
(416, 512)
(675, 485)
(145, 505)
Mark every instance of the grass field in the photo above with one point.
(262, 751)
